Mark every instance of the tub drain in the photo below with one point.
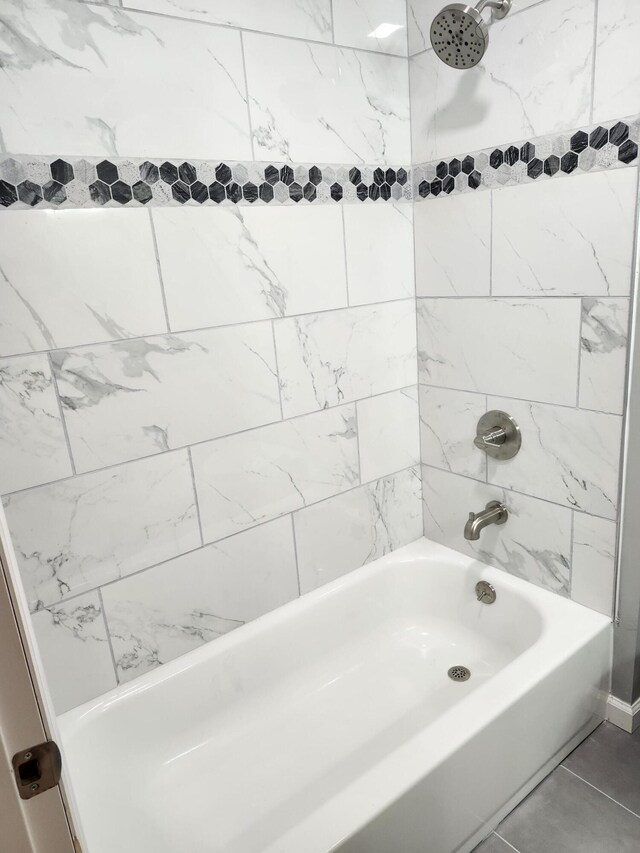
(459, 673)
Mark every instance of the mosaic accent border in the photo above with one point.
(80, 182)
(590, 149)
(85, 182)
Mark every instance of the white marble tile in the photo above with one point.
(33, 448)
(513, 347)
(569, 456)
(306, 19)
(76, 277)
(371, 24)
(343, 533)
(453, 246)
(162, 613)
(233, 266)
(388, 433)
(617, 76)
(420, 14)
(332, 358)
(134, 398)
(318, 103)
(379, 244)
(99, 80)
(594, 562)
(548, 87)
(565, 237)
(88, 530)
(448, 422)
(603, 354)
(534, 543)
(73, 644)
(260, 474)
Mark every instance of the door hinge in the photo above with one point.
(37, 769)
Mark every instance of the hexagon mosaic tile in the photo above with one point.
(68, 182)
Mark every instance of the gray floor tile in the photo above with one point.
(565, 815)
(493, 844)
(610, 760)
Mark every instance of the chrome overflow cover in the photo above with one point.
(498, 435)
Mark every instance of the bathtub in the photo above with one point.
(332, 723)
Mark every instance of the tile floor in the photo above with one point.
(590, 804)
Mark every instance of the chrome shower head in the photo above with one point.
(460, 35)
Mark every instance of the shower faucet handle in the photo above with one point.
(498, 435)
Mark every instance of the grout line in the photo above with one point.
(235, 28)
(515, 491)
(358, 444)
(179, 332)
(600, 791)
(56, 392)
(216, 542)
(278, 380)
(490, 243)
(195, 495)
(246, 87)
(571, 541)
(295, 552)
(199, 443)
(593, 59)
(160, 278)
(333, 23)
(346, 265)
(108, 632)
(497, 834)
(522, 400)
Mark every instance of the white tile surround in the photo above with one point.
(151, 514)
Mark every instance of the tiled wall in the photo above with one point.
(209, 408)
(523, 290)
(204, 410)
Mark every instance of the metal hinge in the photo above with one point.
(37, 769)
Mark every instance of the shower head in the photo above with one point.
(460, 35)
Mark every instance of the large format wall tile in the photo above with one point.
(500, 99)
(249, 478)
(162, 613)
(320, 103)
(453, 246)
(388, 433)
(594, 556)
(111, 289)
(73, 643)
(371, 24)
(343, 533)
(603, 354)
(130, 399)
(448, 422)
(33, 448)
(332, 358)
(379, 245)
(85, 531)
(565, 237)
(74, 64)
(617, 76)
(230, 266)
(307, 19)
(512, 347)
(568, 456)
(534, 544)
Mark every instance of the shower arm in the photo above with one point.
(501, 6)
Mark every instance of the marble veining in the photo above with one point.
(129, 399)
(82, 532)
(603, 354)
(33, 448)
(249, 478)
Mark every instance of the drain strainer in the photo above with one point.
(459, 673)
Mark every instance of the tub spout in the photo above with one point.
(494, 513)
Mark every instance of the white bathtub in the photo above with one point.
(331, 723)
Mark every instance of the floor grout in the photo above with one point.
(600, 791)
